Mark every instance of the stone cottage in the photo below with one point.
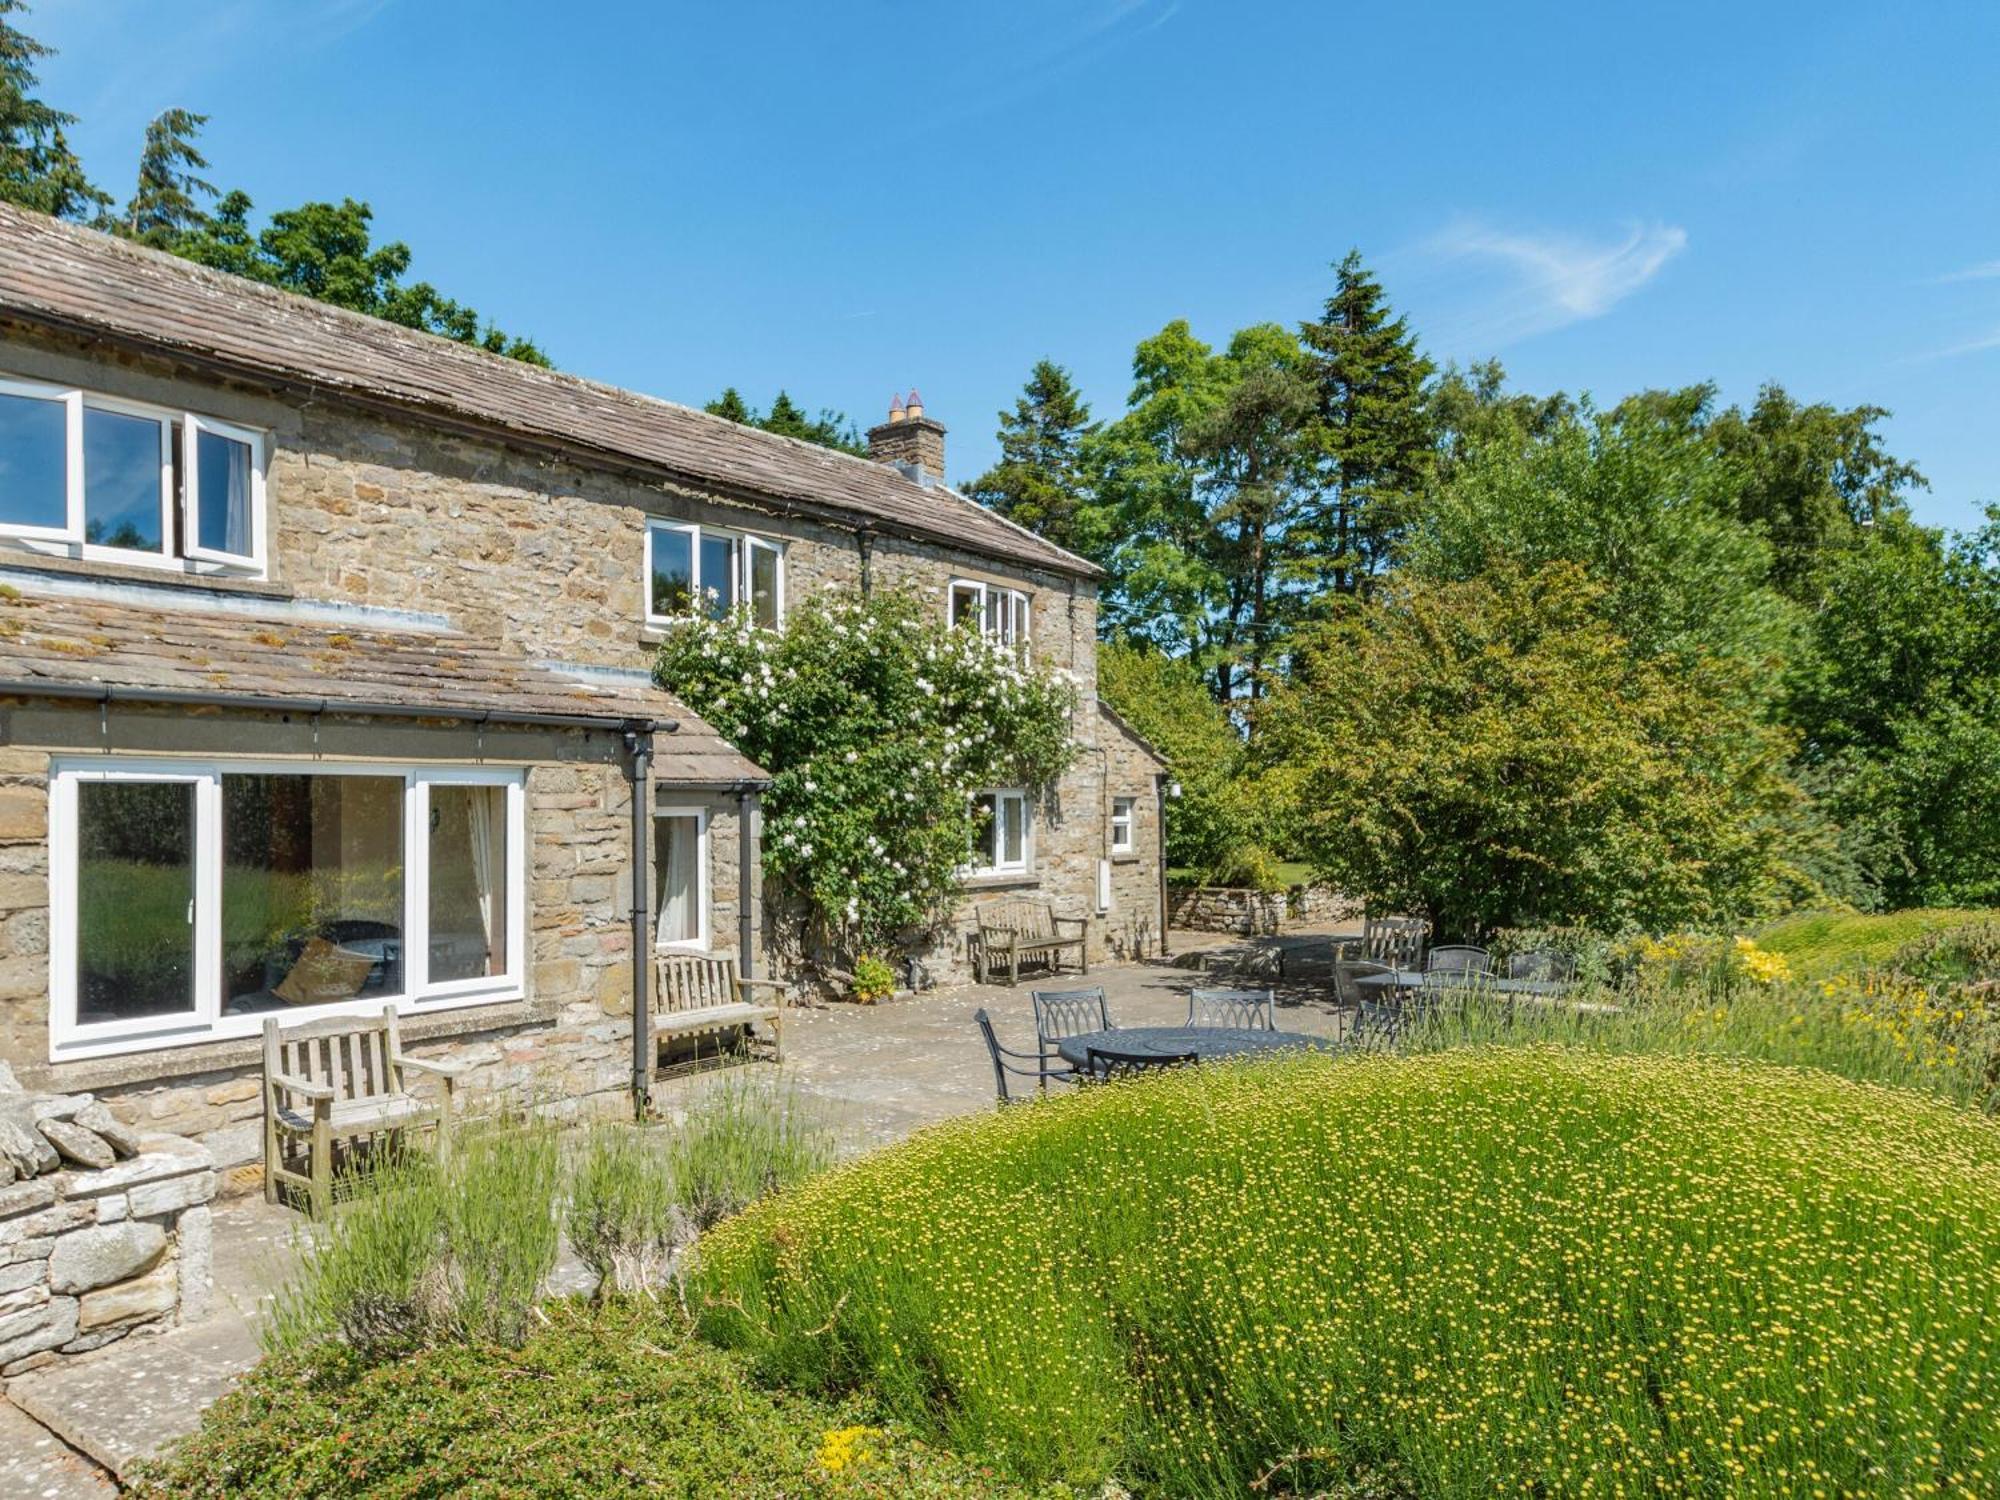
(324, 652)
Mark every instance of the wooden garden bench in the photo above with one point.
(1015, 932)
(697, 995)
(341, 1080)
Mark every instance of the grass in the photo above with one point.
(1821, 944)
(610, 1401)
(1524, 1270)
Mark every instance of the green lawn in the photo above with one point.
(1819, 944)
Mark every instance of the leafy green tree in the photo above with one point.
(325, 251)
(1492, 752)
(1642, 500)
(786, 418)
(1207, 486)
(1374, 429)
(37, 168)
(1040, 482)
(1221, 827)
(169, 200)
(1471, 409)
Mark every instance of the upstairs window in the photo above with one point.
(1000, 614)
(91, 476)
(692, 569)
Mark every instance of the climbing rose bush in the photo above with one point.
(877, 721)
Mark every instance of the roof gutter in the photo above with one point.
(104, 692)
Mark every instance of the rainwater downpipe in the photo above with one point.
(638, 774)
(746, 874)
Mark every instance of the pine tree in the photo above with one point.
(1039, 482)
(37, 168)
(786, 418)
(168, 200)
(731, 406)
(1374, 433)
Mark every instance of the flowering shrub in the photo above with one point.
(873, 979)
(877, 721)
(1501, 1271)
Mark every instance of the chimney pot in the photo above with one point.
(909, 440)
(916, 404)
(896, 407)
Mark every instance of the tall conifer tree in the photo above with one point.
(1039, 482)
(169, 200)
(37, 168)
(1374, 432)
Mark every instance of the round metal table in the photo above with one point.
(1495, 984)
(1209, 1043)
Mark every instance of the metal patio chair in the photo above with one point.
(1008, 1065)
(1235, 1010)
(1061, 1013)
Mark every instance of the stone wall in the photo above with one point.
(109, 1238)
(1253, 913)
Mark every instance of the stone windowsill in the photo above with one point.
(1127, 859)
(92, 1073)
(1029, 881)
(167, 578)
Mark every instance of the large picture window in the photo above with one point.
(93, 476)
(694, 569)
(187, 901)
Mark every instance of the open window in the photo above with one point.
(1000, 614)
(99, 477)
(694, 569)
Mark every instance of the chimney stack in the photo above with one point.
(910, 441)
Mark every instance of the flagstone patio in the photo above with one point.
(880, 1072)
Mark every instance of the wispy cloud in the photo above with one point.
(1969, 346)
(1986, 270)
(1554, 280)
(1093, 34)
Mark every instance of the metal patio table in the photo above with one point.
(1209, 1043)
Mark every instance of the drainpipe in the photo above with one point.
(866, 540)
(746, 869)
(1160, 795)
(638, 775)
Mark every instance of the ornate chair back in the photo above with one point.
(1061, 1013)
(1453, 959)
(1239, 1010)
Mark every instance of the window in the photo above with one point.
(1000, 614)
(1121, 824)
(718, 569)
(1000, 833)
(680, 878)
(117, 480)
(188, 901)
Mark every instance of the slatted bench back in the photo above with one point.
(355, 1058)
(688, 982)
(1031, 921)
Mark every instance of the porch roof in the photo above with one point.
(56, 646)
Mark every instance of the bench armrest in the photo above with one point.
(318, 1092)
(449, 1072)
(747, 988)
(1082, 923)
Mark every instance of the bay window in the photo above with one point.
(692, 569)
(92, 476)
(999, 614)
(188, 900)
(1000, 832)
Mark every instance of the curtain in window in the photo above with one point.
(487, 876)
(679, 879)
(237, 499)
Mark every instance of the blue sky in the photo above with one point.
(848, 199)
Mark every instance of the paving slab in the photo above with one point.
(35, 1464)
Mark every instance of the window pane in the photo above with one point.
(718, 574)
(468, 837)
(134, 899)
(312, 890)
(222, 501)
(1013, 812)
(33, 462)
(764, 585)
(121, 480)
(1021, 618)
(677, 878)
(965, 605)
(985, 830)
(673, 571)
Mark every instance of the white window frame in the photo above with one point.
(70, 1040)
(1006, 615)
(165, 419)
(68, 540)
(71, 530)
(699, 942)
(192, 427)
(1124, 810)
(742, 545)
(1001, 866)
